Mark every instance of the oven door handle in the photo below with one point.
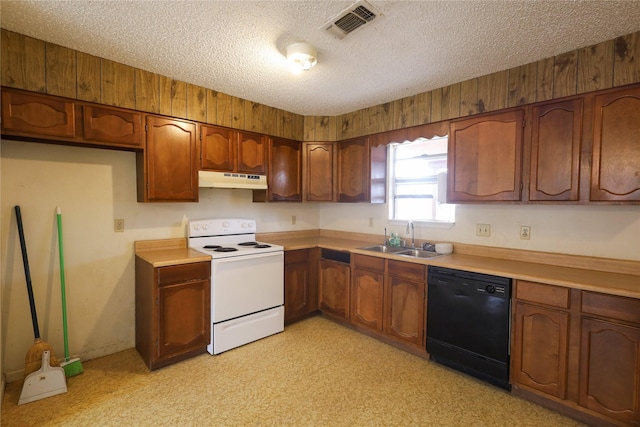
(248, 257)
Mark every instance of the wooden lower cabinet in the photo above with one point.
(540, 351)
(404, 307)
(367, 291)
(334, 287)
(610, 369)
(578, 349)
(172, 311)
(300, 284)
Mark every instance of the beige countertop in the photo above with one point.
(160, 253)
(591, 280)
(165, 257)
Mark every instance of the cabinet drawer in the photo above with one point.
(297, 256)
(612, 306)
(184, 273)
(555, 296)
(407, 270)
(368, 262)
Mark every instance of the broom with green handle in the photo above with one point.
(73, 366)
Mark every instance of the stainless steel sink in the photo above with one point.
(383, 249)
(419, 253)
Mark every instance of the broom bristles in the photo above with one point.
(72, 367)
(33, 359)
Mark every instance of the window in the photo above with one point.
(418, 175)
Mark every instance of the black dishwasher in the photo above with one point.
(468, 323)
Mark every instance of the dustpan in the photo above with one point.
(47, 381)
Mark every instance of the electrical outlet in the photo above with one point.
(525, 232)
(483, 230)
(293, 220)
(118, 225)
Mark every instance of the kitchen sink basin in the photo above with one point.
(383, 249)
(419, 253)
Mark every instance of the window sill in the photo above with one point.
(424, 224)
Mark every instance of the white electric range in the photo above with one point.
(247, 281)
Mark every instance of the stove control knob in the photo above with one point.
(205, 226)
(225, 224)
(196, 226)
(490, 289)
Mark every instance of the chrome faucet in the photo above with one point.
(413, 234)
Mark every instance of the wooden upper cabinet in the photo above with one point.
(228, 150)
(361, 171)
(252, 153)
(171, 161)
(36, 114)
(285, 170)
(113, 125)
(219, 148)
(555, 151)
(485, 158)
(615, 171)
(319, 169)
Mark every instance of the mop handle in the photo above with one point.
(27, 273)
(62, 286)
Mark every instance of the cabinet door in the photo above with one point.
(300, 284)
(404, 309)
(285, 170)
(334, 288)
(184, 317)
(555, 151)
(540, 348)
(615, 170)
(171, 160)
(319, 172)
(485, 158)
(112, 125)
(610, 369)
(353, 170)
(366, 298)
(37, 114)
(252, 153)
(219, 148)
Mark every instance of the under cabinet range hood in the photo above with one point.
(231, 180)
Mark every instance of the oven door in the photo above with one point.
(246, 284)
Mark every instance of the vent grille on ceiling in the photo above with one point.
(351, 19)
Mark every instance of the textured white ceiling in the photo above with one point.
(237, 47)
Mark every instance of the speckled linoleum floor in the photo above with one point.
(315, 373)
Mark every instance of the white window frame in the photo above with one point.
(391, 191)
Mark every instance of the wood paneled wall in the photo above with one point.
(35, 65)
(608, 64)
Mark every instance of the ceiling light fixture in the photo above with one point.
(302, 55)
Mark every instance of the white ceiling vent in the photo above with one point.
(351, 19)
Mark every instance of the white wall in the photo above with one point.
(93, 187)
(599, 231)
